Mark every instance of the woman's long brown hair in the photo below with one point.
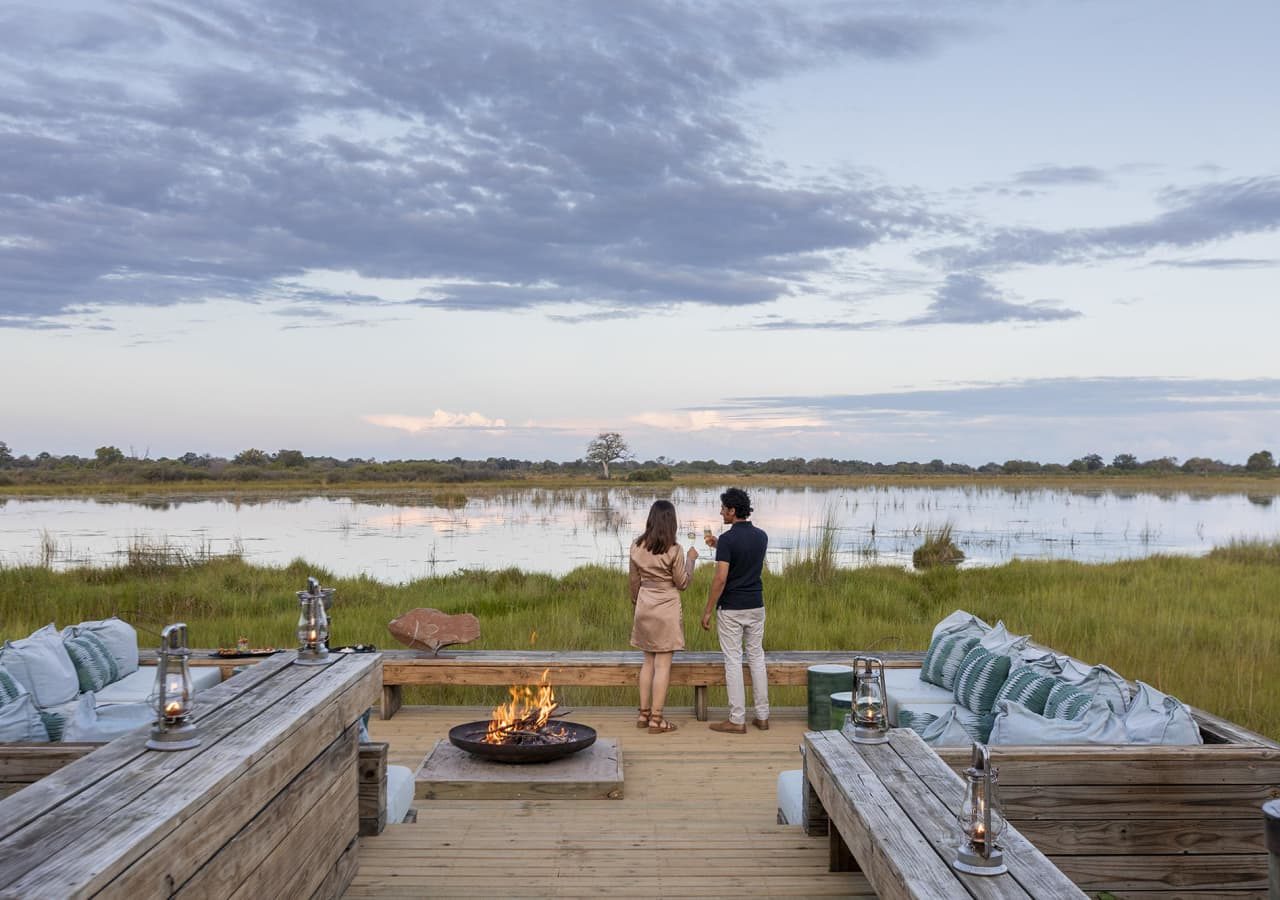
(660, 528)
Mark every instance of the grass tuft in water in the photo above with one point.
(938, 549)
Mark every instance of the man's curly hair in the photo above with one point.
(737, 500)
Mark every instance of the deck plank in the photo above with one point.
(698, 820)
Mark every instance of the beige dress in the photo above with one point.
(658, 626)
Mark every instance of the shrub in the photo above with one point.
(654, 473)
(938, 549)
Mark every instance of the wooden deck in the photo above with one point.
(698, 819)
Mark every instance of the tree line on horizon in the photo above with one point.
(111, 464)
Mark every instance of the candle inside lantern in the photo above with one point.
(173, 708)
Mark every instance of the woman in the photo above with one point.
(659, 572)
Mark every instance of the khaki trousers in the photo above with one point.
(739, 628)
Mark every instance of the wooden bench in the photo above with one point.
(268, 803)
(698, 670)
(893, 807)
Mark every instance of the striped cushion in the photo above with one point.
(53, 723)
(1028, 687)
(981, 675)
(916, 720)
(1066, 701)
(10, 690)
(927, 724)
(942, 659)
(95, 667)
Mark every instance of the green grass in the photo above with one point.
(1205, 630)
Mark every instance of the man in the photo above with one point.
(737, 594)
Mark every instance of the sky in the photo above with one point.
(971, 230)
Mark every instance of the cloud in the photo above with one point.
(960, 300)
(1104, 397)
(519, 153)
(1195, 216)
(717, 420)
(440, 419)
(1046, 176)
(1217, 263)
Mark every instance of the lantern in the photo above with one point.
(981, 822)
(313, 624)
(173, 729)
(870, 713)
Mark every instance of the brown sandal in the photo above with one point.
(659, 725)
(642, 718)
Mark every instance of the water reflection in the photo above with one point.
(397, 538)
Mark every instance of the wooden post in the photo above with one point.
(700, 702)
(391, 700)
(1271, 818)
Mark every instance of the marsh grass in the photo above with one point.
(938, 549)
(1204, 629)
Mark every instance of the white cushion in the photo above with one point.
(960, 621)
(947, 731)
(399, 793)
(905, 686)
(119, 636)
(1063, 668)
(105, 723)
(1017, 725)
(791, 797)
(1107, 684)
(999, 640)
(20, 721)
(139, 686)
(1157, 718)
(41, 665)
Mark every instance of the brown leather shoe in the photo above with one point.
(762, 724)
(729, 727)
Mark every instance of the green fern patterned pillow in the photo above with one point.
(95, 666)
(1028, 687)
(942, 659)
(981, 676)
(1066, 701)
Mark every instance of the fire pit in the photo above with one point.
(522, 730)
(568, 738)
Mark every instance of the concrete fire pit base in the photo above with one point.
(449, 773)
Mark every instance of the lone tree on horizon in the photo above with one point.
(607, 447)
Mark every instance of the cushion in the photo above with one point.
(41, 665)
(920, 718)
(1066, 701)
(56, 718)
(1064, 668)
(942, 659)
(1156, 718)
(1015, 724)
(106, 723)
(10, 690)
(999, 640)
(1106, 683)
(95, 667)
(904, 686)
(120, 638)
(791, 797)
(1028, 687)
(960, 622)
(140, 685)
(20, 720)
(947, 730)
(399, 793)
(980, 677)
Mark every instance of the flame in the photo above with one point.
(528, 710)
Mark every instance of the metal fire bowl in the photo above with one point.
(470, 737)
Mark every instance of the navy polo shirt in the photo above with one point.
(743, 547)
